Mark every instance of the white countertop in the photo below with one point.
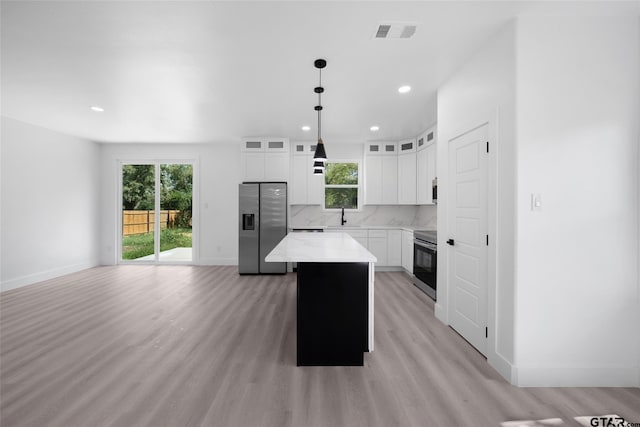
(361, 227)
(319, 247)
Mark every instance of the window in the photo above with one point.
(341, 185)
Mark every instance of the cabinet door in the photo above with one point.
(252, 166)
(276, 166)
(254, 145)
(314, 185)
(373, 180)
(275, 145)
(298, 185)
(389, 180)
(407, 146)
(407, 179)
(360, 236)
(423, 185)
(378, 247)
(394, 248)
(407, 251)
(431, 170)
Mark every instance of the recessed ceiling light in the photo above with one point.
(404, 89)
(97, 109)
(306, 128)
(374, 128)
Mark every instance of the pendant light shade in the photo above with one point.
(318, 167)
(320, 155)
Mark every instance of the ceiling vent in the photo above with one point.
(396, 30)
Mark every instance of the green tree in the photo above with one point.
(176, 192)
(341, 174)
(341, 180)
(177, 186)
(138, 182)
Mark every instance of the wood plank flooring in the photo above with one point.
(203, 346)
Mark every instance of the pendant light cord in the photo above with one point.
(320, 104)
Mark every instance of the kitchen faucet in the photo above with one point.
(342, 220)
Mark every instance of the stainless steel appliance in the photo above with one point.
(263, 224)
(425, 260)
(434, 190)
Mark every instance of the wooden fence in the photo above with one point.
(140, 222)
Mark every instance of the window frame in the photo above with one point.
(358, 187)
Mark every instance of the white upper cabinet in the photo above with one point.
(305, 188)
(426, 166)
(265, 159)
(381, 173)
(407, 146)
(407, 173)
(402, 172)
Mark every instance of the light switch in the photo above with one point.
(536, 202)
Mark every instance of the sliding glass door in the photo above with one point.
(157, 212)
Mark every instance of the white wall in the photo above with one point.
(577, 260)
(482, 91)
(215, 184)
(50, 185)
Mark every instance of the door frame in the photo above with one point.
(492, 119)
(195, 215)
(484, 319)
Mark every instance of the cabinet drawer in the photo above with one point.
(378, 233)
(357, 234)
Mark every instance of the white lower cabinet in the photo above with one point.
(360, 236)
(378, 246)
(407, 251)
(394, 248)
(386, 245)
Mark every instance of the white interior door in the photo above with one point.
(467, 237)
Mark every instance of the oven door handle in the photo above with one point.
(425, 245)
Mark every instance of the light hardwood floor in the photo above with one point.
(203, 346)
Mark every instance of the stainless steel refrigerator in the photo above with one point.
(263, 224)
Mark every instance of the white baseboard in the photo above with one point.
(218, 261)
(596, 376)
(384, 268)
(30, 279)
(441, 314)
(502, 366)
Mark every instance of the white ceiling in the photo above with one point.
(212, 71)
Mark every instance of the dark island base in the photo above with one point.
(332, 315)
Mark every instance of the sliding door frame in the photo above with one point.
(195, 214)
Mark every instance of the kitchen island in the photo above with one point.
(334, 297)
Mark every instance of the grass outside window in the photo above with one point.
(140, 245)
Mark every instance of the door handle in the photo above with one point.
(450, 242)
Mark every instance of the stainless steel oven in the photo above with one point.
(425, 260)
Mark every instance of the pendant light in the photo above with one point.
(320, 156)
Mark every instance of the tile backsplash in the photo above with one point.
(423, 216)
